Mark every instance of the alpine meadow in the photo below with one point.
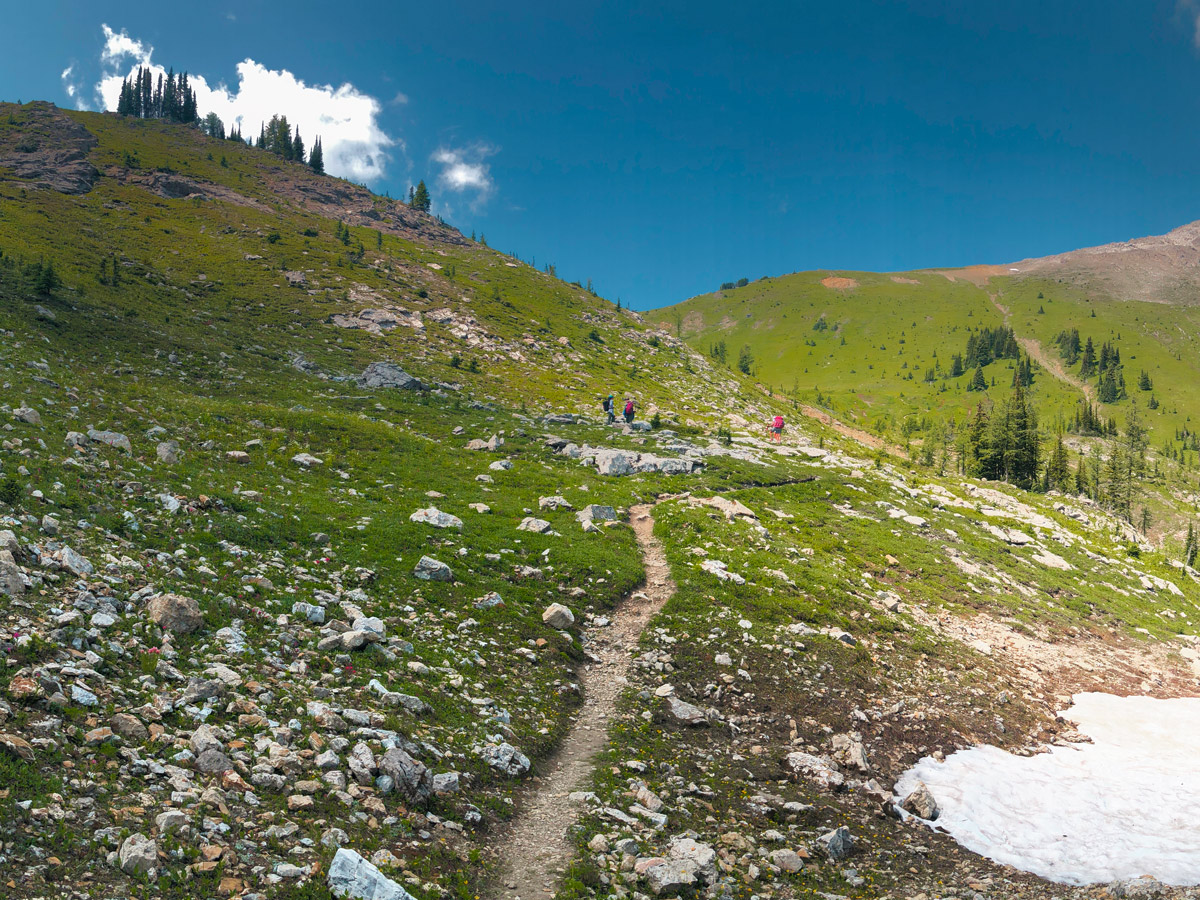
(343, 555)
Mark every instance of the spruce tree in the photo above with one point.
(297, 147)
(420, 197)
(316, 158)
(978, 382)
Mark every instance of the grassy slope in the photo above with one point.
(209, 361)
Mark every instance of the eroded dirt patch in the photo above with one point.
(839, 283)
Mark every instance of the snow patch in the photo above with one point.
(1124, 806)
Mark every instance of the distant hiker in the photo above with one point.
(777, 429)
(629, 411)
(609, 409)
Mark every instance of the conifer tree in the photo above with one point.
(978, 382)
(420, 197)
(316, 158)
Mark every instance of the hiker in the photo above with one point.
(609, 410)
(777, 429)
(628, 410)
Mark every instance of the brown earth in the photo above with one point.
(839, 283)
(49, 150)
(537, 845)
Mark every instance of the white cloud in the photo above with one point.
(1189, 10)
(346, 119)
(464, 171)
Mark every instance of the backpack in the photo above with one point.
(628, 407)
(779, 421)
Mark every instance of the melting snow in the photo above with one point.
(1124, 806)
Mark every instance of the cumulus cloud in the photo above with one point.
(1189, 12)
(347, 120)
(464, 171)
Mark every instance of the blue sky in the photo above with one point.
(660, 149)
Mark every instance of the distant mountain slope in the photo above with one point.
(1163, 268)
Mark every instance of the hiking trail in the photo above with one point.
(1038, 354)
(537, 848)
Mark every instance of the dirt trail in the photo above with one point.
(537, 847)
(863, 437)
(1038, 354)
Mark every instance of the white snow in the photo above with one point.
(1124, 806)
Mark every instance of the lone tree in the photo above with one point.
(420, 197)
(316, 158)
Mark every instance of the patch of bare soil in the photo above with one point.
(976, 275)
(537, 845)
(48, 149)
(899, 280)
(863, 437)
(1086, 661)
(839, 283)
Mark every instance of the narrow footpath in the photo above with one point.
(538, 849)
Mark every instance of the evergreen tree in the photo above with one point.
(1144, 382)
(316, 158)
(297, 148)
(978, 382)
(745, 359)
(420, 197)
(956, 365)
(1088, 367)
(213, 126)
(1058, 468)
(46, 280)
(1190, 546)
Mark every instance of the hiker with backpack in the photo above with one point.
(628, 410)
(777, 429)
(610, 408)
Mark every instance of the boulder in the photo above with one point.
(507, 759)
(685, 713)
(353, 877)
(671, 877)
(112, 438)
(596, 512)
(538, 526)
(819, 769)
(388, 375)
(920, 803)
(307, 460)
(435, 517)
(167, 452)
(16, 746)
(411, 778)
(836, 844)
(138, 855)
(176, 613)
(429, 569)
(558, 616)
(27, 415)
(615, 462)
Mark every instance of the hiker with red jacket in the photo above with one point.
(628, 410)
(777, 429)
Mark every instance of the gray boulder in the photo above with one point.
(355, 878)
(410, 776)
(138, 855)
(435, 517)
(685, 713)
(113, 438)
(429, 569)
(836, 844)
(388, 375)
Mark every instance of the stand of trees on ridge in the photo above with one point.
(172, 98)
